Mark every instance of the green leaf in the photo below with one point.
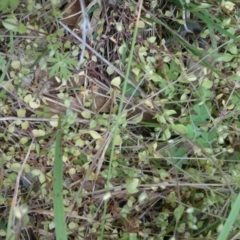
(94, 134)
(172, 70)
(166, 135)
(233, 49)
(116, 82)
(55, 2)
(202, 114)
(133, 236)
(137, 118)
(178, 212)
(179, 128)
(225, 57)
(15, 166)
(231, 219)
(161, 119)
(67, 102)
(169, 112)
(151, 39)
(3, 5)
(132, 91)
(110, 70)
(86, 114)
(3, 94)
(203, 142)
(10, 24)
(54, 71)
(58, 207)
(13, 4)
(207, 83)
(118, 140)
(132, 184)
(192, 131)
(21, 28)
(93, 124)
(142, 197)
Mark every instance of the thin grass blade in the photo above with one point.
(58, 208)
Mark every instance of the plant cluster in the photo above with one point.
(141, 141)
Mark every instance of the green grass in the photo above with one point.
(58, 208)
(228, 225)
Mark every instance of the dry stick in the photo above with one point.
(28, 119)
(101, 158)
(150, 186)
(37, 119)
(14, 199)
(19, 176)
(236, 236)
(86, 30)
(1, 174)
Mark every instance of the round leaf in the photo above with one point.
(54, 123)
(86, 114)
(116, 81)
(132, 184)
(10, 24)
(207, 83)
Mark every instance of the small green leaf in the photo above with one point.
(131, 91)
(94, 134)
(86, 114)
(67, 103)
(21, 112)
(15, 166)
(233, 49)
(141, 24)
(13, 4)
(16, 64)
(93, 124)
(137, 118)
(21, 28)
(133, 236)
(161, 119)
(116, 82)
(10, 24)
(192, 131)
(179, 128)
(55, 2)
(170, 112)
(152, 39)
(178, 212)
(110, 70)
(122, 49)
(118, 140)
(225, 57)
(207, 83)
(132, 184)
(142, 197)
(166, 135)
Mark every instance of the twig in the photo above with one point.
(38, 119)
(86, 31)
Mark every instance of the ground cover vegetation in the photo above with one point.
(119, 119)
